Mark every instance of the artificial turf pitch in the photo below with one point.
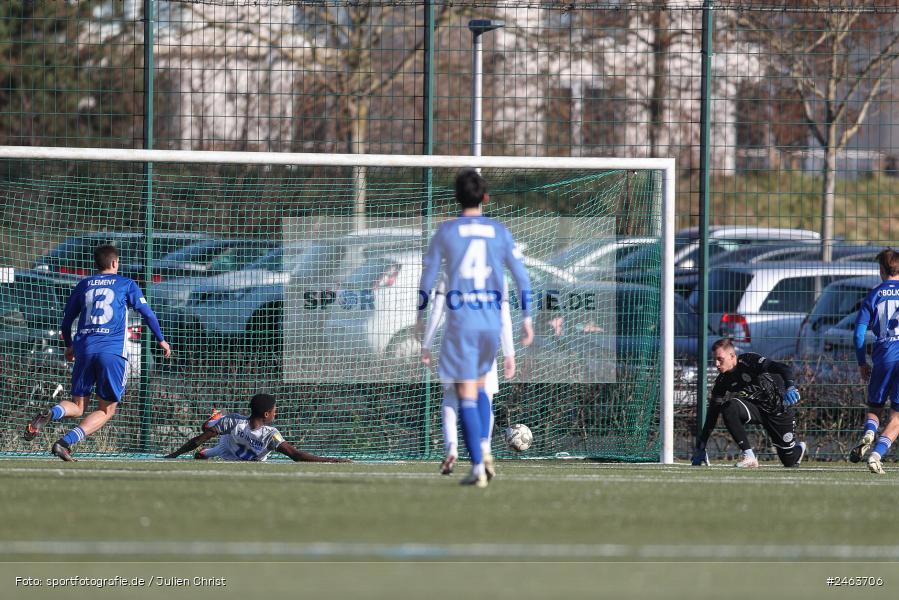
(541, 529)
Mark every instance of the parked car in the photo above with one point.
(597, 258)
(376, 305)
(762, 306)
(211, 257)
(252, 301)
(726, 238)
(839, 343)
(686, 280)
(837, 300)
(73, 258)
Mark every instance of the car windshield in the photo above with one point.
(579, 250)
(197, 253)
(365, 276)
(132, 249)
(836, 302)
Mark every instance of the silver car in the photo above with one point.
(838, 300)
(762, 306)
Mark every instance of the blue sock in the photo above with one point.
(870, 425)
(57, 413)
(882, 446)
(74, 436)
(471, 429)
(485, 410)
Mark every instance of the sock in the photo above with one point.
(450, 429)
(57, 413)
(471, 429)
(748, 453)
(871, 425)
(73, 437)
(883, 445)
(485, 410)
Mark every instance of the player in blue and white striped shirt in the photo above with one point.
(100, 303)
(879, 312)
(473, 251)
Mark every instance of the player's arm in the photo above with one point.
(512, 260)
(713, 410)
(193, 443)
(430, 268)
(73, 308)
(759, 364)
(862, 323)
(139, 303)
(508, 343)
(299, 456)
(438, 313)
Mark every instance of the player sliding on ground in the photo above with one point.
(247, 438)
(449, 407)
(473, 251)
(100, 303)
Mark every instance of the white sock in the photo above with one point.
(449, 411)
(485, 446)
(749, 453)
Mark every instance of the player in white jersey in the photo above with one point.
(247, 438)
(450, 405)
(473, 252)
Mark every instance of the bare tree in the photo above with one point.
(350, 52)
(836, 56)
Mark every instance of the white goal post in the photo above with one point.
(666, 166)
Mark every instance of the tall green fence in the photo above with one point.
(799, 128)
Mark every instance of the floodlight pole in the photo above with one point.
(477, 28)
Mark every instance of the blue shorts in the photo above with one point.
(108, 372)
(466, 355)
(884, 385)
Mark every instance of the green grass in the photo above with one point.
(538, 521)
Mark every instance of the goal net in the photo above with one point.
(297, 275)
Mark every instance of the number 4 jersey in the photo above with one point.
(100, 303)
(880, 313)
(474, 251)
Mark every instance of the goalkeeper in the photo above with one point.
(247, 438)
(752, 389)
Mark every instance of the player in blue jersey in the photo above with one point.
(247, 438)
(879, 312)
(449, 407)
(473, 252)
(100, 303)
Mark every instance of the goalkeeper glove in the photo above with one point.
(700, 456)
(791, 396)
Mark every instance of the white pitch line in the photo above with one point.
(409, 551)
(713, 476)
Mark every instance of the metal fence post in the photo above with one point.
(147, 342)
(704, 161)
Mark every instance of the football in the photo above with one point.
(519, 437)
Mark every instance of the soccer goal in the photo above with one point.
(297, 274)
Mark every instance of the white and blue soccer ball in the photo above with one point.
(519, 437)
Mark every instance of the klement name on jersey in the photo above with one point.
(101, 282)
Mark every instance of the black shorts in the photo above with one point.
(780, 427)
